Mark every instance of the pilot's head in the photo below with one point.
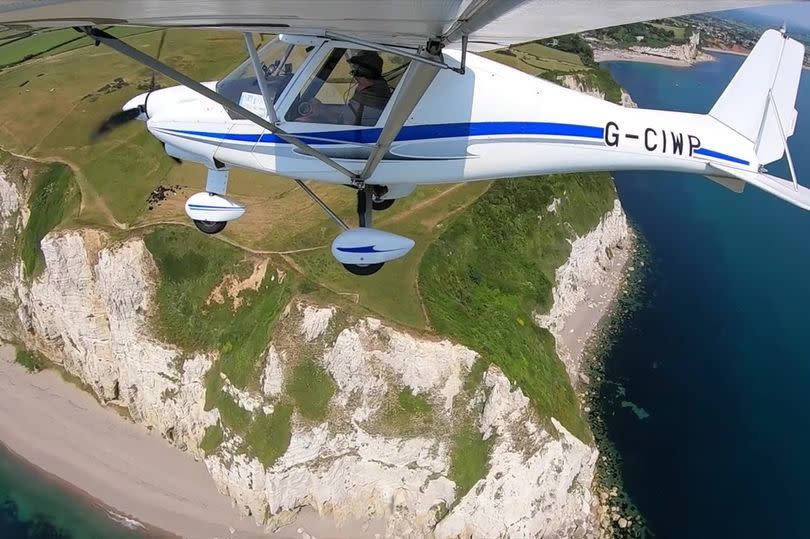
(366, 64)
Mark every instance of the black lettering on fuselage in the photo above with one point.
(663, 141)
(694, 144)
(677, 143)
(650, 145)
(612, 134)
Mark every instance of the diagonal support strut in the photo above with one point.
(413, 87)
(114, 43)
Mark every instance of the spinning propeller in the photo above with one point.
(125, 116)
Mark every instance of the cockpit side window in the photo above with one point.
(280, 62)
(350, 87)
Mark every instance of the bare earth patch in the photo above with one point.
(232, 287)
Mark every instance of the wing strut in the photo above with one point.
(413, 87)
(257, 67)
(114, 43)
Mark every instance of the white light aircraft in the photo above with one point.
(386, 95)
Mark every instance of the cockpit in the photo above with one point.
(280, 62)
(333, 85)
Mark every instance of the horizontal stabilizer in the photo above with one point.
(732, 184)
(759, 103)
(798, 195)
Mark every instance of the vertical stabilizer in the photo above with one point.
(759, 103)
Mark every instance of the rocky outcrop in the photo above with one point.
(12, 221)
(577, 82)
(688, 53)
(538, 483)
(88, 311)
(586, 285)
(10, 202)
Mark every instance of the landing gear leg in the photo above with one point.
(365, 210)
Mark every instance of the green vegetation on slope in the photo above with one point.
(269, 435)
(31, 360)
(408, 414)
(212, 439)
(53, 198)
(311, 388)
(494, 266)
(191, 267)
(572, 44)
(469, 458)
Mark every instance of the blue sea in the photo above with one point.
(33, 506)
(718, 353)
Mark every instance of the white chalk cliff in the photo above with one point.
(89, 309)
(588, 278)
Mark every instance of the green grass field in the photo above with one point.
(50, 42)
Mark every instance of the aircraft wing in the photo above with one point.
(488, 23)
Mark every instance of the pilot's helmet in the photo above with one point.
(367, 64)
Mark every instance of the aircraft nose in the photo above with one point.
(138, 102)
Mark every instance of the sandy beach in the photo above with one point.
(726, 51)
(580, 327)
(63, 431)
(620, 55)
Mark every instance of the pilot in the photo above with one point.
(366, 104)
(372, 92)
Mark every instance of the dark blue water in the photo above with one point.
(34, 507)
(718, 353)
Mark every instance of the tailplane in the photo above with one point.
(759, 103)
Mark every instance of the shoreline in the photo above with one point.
(115, 516)
(622, 55)
(726, 51)
(62, 433)
(608, 486)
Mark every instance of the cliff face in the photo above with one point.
(577, 83)
(11, 223)
(586, 284)
(89, 310)
(689, 52)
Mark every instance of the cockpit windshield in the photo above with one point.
(280, 61)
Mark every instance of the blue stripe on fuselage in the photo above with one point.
(416, 132)
(719, 155)
(436, 131)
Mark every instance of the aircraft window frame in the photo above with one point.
(279, 99)
(306, 77)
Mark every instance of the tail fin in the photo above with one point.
(759, 103)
